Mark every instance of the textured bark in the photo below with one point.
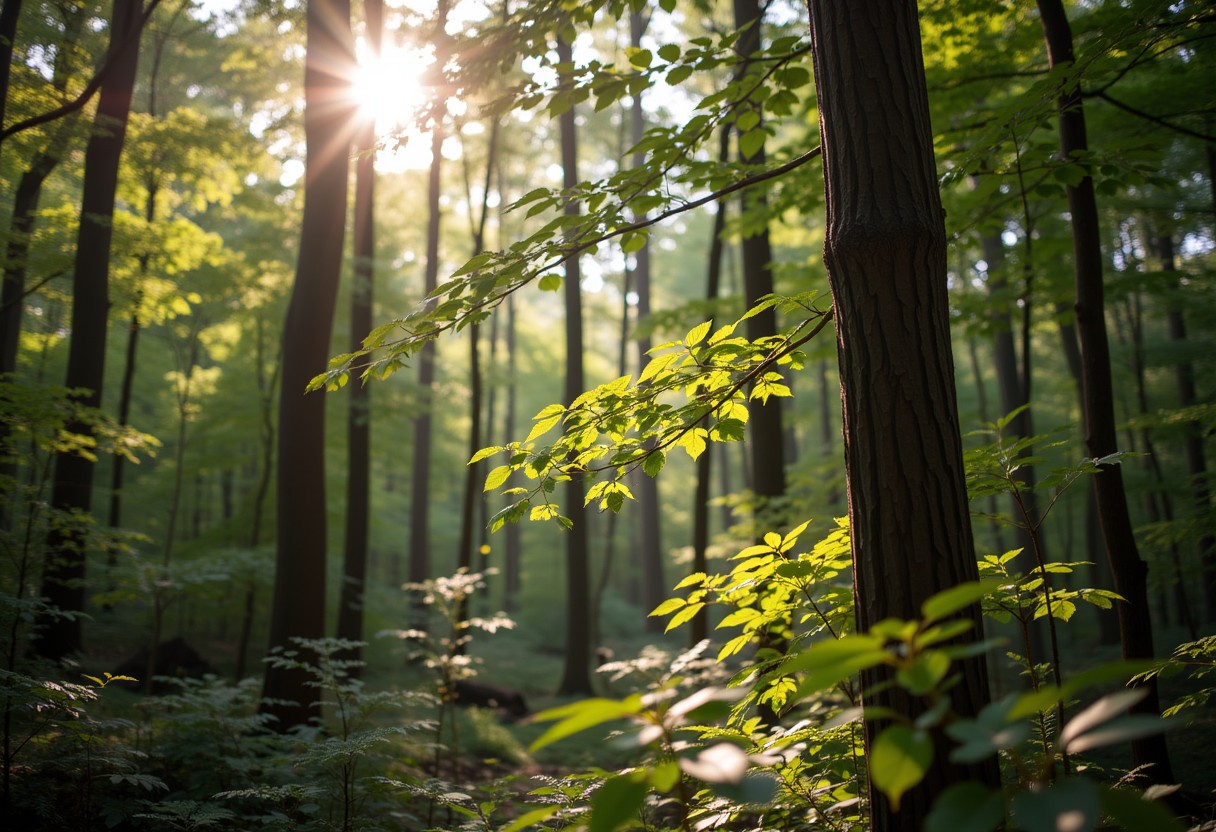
(764, 424)
(885, 251)
(358, 419)
(1129, 570)
(576, 672)
(298, 608)
(64, 574)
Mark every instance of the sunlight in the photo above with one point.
(391, 91)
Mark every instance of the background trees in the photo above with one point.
(230, 184)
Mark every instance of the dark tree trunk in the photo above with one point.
(63, 576)
(420, 474)
(124, 411)
(700, 507)
(358, 420)
(576, 673)
(1129, 571)
(512, 580)
(298, 608)
(764, 424)
(885, 251)
(1196, 459)
(654, 587)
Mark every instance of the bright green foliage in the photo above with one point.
(622, 425)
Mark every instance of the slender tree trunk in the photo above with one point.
(576, 673)
(764, 424)
(64, 574)
(298, 608)
(512, 580)
(358, 419)
(885, 251)
(420, 475)
(654, 587)
(699, 628)
(1129, 570)
(1196, 459)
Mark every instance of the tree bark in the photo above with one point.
(358, 419)
(885, 252)
(298, 608)
(576, 672)
(1129, 570)
(64, 574)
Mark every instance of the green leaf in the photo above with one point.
(485, 453)
(683, 616)
(640, 58)
(497, 477)
(697, 334)
(581, 715)
(529, 820)
(949, 601)
(634, 241)
(966, 807)
(669, 52)
(616, 802)
(653, 463)
(899, 758)
(923, 675)
(752, 141)
(668, 607)
(550, 282)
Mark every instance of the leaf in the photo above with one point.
(899, 758)
(581, 715)
(653, 463)
(668, 607)
(752, 141)
(966, 807)
(485, 453)
(949, 601)
(1119, 730)
(497, 477)
(616, 802)
(669, 52)
(684, 615)
(550, 282)
(530, 819)
(542, 427)
(720, 763)
(925, 673)
(1104, 709)
(697, 334)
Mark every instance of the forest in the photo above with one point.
(616, 415)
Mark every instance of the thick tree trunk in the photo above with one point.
(576, 673)
(1129, 571)
(885, 251)
(63, 576)
(298, 608)
(358, 420)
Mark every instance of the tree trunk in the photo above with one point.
(298, 608)
(885, 251)
(358, 420)
(1129, 571)
(512, 580)
(654, 587)
(576, 673)
(63, 576)
(420, 475)
(764, 424)
(700, 511)
(1196, 459)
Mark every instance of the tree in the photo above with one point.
(576, 672)
(298, 608)
(358, 421)
(1129, 570)
(885, 250)
(64, 574)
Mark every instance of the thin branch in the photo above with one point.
(991, 76)
(1127, 108)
